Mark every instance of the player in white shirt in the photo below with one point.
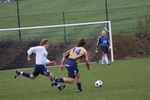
(40, 63)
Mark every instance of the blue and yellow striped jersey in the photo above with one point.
(76, 53)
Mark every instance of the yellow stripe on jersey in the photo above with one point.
(76, 53)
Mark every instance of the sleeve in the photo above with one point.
(98, 41)
(48, 61)
(66, 54)
(31, 50)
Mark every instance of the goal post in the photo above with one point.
(70, 25)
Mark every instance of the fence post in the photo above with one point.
(18, 16)
(106, 8)
(65, 40)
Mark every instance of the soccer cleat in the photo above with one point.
(80, 90)
(17, 74)
(61, 87)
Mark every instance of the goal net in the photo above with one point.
(62, 32)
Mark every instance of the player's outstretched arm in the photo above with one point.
(62, 63)
(50, 62)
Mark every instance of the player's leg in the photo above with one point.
(106, 58)
(54, 83)
(47, 73)
(71, 75)
(103, 57)
(78, 81)
(25, 74)
(65, 80)
(106, 55)
(35, 73)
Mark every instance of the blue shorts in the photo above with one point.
(40, 69)
(104, 49)
(72, 68)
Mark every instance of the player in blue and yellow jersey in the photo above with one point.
(103, 42)
(70, 60)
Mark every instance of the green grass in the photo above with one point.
(50, 12)
(123, 80)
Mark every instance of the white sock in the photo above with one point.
(103, 60)
(106, 60)
(21, 72)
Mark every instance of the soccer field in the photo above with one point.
(123, 80)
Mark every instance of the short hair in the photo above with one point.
(43, 42)
(81, 42)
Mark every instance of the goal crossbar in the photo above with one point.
(53, 26)
(68, 25)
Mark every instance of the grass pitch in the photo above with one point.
(123, 80)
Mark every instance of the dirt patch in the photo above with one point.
(13, 53)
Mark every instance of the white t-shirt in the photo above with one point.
(41, 55)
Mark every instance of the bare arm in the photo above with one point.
(62, 63)
(29, 58)
(87, 62)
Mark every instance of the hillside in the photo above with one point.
(13, 54)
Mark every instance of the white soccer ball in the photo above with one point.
(98, 83)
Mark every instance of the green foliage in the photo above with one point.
(123, 80)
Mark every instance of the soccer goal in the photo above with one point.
(61, 32)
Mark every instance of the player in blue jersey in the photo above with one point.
(40, 63)
(70, 60)
(103, 43)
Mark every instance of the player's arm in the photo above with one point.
(98, 43)
(87, 61)
(65, 56)
(29, 52)
(50, 62)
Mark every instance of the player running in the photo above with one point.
(70, 60)
(41, 62)
(103, 42)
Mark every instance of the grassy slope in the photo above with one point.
(123, 80)
(49, 12)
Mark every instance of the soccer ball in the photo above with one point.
(98, 83)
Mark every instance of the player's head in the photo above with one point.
(45, 43)
(81, 42)
(103, 33)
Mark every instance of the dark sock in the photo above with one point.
(79, 86)
(26, 74)
(59, 80)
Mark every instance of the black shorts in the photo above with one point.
(40, 69)
(104, 49)
(72, 68)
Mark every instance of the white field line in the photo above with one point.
(33, 67)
